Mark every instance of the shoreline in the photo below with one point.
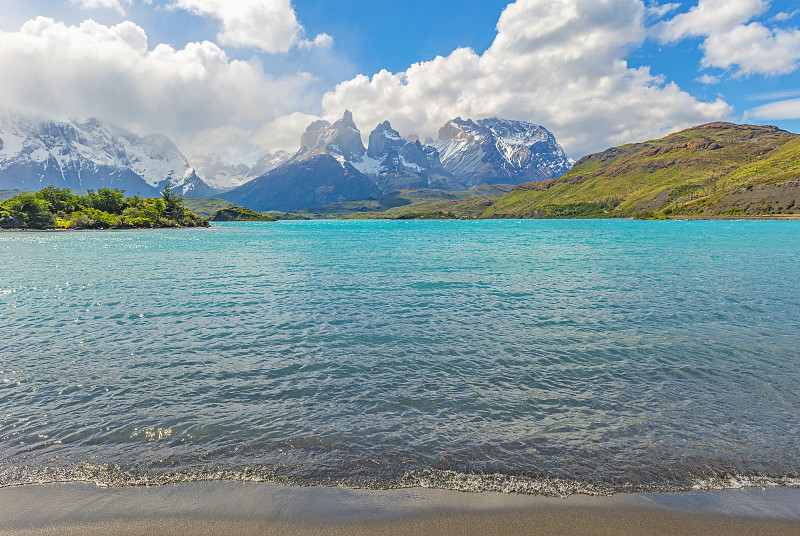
(258, 508)
(773, 217)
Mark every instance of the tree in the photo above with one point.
(60, 199)
(108, 200)
(34, 211)
(173, 202)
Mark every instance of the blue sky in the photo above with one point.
(242, 77)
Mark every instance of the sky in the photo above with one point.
(243, 77)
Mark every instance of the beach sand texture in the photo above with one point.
(229, 508)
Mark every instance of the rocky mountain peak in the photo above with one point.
(347, 119)
(458, 129)
(342, 140)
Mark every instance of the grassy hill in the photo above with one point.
(205, 207)
(718, 169)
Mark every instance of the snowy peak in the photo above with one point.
(500, 150)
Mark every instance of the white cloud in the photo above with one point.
(282, 133)
(556, 62)
(785, 109)
(708, 79)
(710, 17)
(753, 48)
(731, 43)
(658, 11)
(785, 15)
(322, 40)
(107, 4)
(268, 25)
(57, 71)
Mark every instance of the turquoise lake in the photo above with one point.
(537, 356)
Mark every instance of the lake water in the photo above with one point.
(539, 356)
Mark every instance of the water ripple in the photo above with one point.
(532, 357)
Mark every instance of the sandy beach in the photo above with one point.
(257, 508)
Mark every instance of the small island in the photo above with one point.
(107, 208)
(236, 213)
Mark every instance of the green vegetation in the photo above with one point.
(234, 213)
(714, 170)
(59, 208)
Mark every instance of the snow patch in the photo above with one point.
(369, 165)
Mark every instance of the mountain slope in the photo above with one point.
(698, 171)
(319, 180)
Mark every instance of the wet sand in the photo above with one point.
(230, 508)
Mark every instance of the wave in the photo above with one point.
(116, 476)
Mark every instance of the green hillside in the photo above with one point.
(205, 207)
(718, 169)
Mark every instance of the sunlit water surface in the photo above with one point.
(534, 356)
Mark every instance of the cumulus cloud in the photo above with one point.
(556, 62)
(268, 25)
(731, 41)
(108, 4)
(282, 133)
(54, 70)
(784, 109)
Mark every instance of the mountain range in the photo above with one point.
(333, 165)
(88, 155)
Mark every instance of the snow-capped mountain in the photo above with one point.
(500, 151)
(223, 175)
(89, 155)
(333, 165)
(397, 163)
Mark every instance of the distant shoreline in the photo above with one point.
(781, 217)
(253, 508)
(774, 217)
